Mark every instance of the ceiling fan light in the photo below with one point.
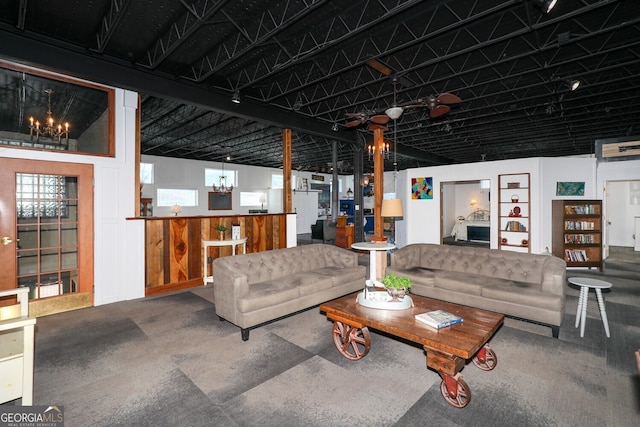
(394, 112)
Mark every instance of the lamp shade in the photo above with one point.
(391, 208)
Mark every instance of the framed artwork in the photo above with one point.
(219, 201)
(422, 188)
(570, 189)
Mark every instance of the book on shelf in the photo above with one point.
(439, 319)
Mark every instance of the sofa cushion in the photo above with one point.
(524, 294)
(460, 282)
(417, 275)
(267, 294)
(342, 276)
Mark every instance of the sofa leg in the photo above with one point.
(245, 334)
(221, 318)
(555, 330)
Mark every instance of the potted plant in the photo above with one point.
(396, 286)
(220, 228)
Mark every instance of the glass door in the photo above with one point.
(46, 230)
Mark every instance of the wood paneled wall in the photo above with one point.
(174, 252)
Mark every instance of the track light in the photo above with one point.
(545, 5)
(573, 84)
(334, 127)
(236, 97)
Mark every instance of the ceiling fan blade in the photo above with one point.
(381, 119)
(361, 115)
(448, 98)
(379, 66)
(353, 123)
(440, 110)
(373, 126)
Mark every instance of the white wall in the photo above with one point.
(421, 223)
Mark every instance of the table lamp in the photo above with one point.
(392, 208)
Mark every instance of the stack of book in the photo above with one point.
(439, 319)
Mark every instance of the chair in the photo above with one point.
(328, 231)
(317, 230)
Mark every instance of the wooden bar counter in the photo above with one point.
(174, 251)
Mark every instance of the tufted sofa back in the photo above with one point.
(269, 265)
(521, 267)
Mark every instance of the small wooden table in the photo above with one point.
(447, 348)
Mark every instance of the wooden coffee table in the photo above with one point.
(447, 349)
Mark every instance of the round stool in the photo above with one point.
(585, 284)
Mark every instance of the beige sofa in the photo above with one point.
(524, 286)
(256, 288)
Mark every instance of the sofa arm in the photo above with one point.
(230, 285)
(554, 278)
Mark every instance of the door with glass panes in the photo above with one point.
(46, 232)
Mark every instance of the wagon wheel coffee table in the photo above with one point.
(447, 349)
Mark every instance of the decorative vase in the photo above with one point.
(221, 235)
(515, 198)
(396, 293)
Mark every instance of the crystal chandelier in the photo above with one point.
(223, 187)
(49, 129)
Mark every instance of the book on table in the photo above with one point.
(439, 319)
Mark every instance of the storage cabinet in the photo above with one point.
(577, 232)
(16, 349)
(345, 235)
(514, 210)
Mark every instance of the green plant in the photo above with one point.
(393, 281)
(220, 227)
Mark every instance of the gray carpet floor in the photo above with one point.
(169, 361)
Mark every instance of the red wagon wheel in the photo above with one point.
(455, 391)
(354, 343)
(486, 358)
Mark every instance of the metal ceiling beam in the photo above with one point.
(117, 9)
(110, 71)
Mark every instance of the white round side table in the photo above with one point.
(372, 248)
(585, 284)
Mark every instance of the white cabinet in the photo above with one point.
(16, 349)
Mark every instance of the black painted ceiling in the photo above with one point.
(305, 64)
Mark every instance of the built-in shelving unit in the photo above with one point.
(577, 232)
(514, 210)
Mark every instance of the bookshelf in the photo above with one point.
(514, 210)
(577, 232)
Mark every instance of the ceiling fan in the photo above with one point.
(438, 105)
(375, 120)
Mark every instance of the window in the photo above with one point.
(212, 176)
(175, 196)
(277, 181)
(43, 196)
(252, 198)
(146, 173)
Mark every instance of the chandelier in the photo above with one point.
(223, 187)
(49, 129)
(383, 150)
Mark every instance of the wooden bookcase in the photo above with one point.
(514, 210)
(577, 232)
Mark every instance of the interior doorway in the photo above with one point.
(621, 209)
(46, 227)
(465, 207)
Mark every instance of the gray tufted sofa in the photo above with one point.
(524, 286)
(259, 287)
